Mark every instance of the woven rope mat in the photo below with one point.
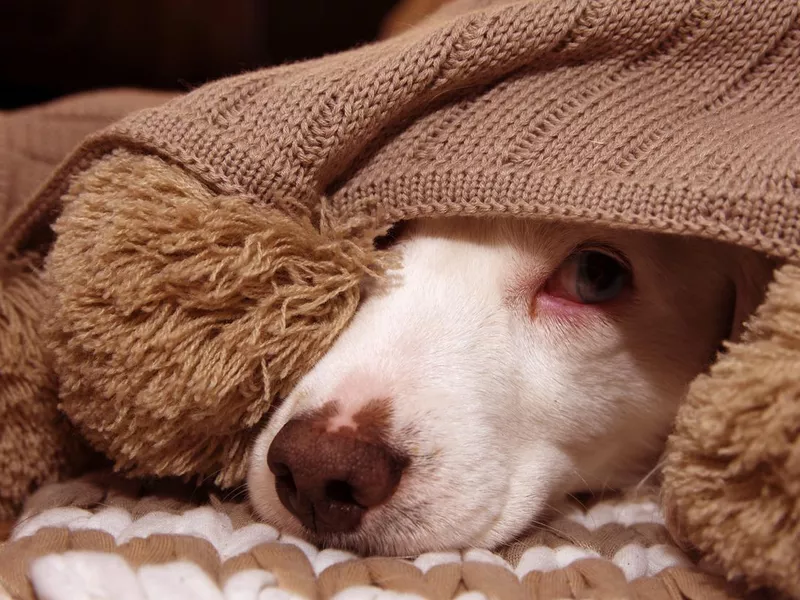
(102, 537)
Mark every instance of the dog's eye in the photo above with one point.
(590, 276)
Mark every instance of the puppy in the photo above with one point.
(505, 364)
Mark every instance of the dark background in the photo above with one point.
(49, 48)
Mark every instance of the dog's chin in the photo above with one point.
(386, 535)
(404, 531)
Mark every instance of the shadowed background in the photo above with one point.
(55, 47)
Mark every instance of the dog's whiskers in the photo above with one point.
(235, 493)
(647, 476)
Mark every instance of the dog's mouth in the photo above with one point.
(403, 531)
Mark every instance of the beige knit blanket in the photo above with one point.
(33, 141)
(672, 115)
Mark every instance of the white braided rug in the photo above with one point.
(102, 537)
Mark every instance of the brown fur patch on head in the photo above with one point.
(370, 424)
(180, 315)
(375, 417)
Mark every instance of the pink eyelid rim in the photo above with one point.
(528, 287)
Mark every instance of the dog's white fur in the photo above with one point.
(504, 399)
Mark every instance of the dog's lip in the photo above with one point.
(379, 517)
(381, 532)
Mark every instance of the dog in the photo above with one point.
(505, 364)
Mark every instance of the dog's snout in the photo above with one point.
(328, 477)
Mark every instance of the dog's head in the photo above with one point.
(505, 364)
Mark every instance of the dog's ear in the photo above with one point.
(750, 274)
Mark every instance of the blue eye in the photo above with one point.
(600, 277)
(590, 277)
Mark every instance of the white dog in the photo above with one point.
(506, 364)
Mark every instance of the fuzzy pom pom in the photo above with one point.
(181, 315)
(732, 473)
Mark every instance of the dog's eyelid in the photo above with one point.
(605, 248)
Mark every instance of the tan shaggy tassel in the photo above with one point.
(732, 475)
(181, 315)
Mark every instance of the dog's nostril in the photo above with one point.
(286, 482)
(330, 480)
(283, 476)
(340, 491)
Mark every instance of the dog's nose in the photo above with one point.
(329, 477)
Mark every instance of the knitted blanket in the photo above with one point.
(674, 115)
(33, 141)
